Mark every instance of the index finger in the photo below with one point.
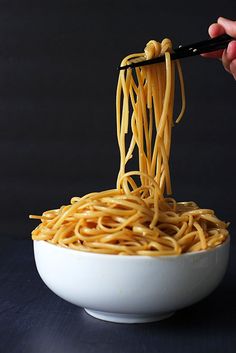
(215, 30)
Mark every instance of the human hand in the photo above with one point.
(228, 55)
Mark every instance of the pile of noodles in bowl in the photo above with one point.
(131, 254)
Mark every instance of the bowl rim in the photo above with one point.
(143, 257)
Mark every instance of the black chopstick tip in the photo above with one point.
(126, 67)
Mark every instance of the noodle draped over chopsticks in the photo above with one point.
(136, 218)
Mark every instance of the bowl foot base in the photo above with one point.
(127, 318)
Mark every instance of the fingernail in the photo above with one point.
(223, 19)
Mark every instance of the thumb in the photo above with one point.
(229, 26)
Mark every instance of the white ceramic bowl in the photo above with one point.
(130, 289)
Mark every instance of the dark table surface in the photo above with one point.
(33, 319)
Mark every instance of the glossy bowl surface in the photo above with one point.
(130, 289)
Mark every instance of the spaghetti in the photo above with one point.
(136, 218)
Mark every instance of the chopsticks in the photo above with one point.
(205, 46)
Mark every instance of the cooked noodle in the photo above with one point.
(136, 218)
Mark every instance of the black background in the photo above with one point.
(58, 79)
(57, 101)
